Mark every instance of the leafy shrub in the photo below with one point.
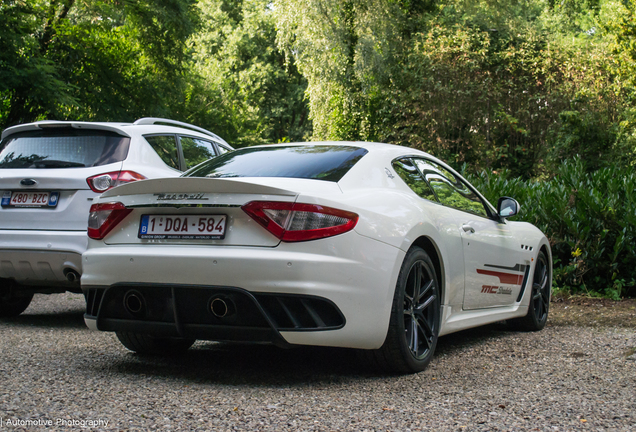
(589, 218)
(584, 135)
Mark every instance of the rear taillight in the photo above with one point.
(294, 222)
(104, 217)
(102, 182)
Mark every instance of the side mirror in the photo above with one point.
(507, 207)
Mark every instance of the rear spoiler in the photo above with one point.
(193, 185)
(54, 124)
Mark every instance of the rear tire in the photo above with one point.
(415, 315)
(146, 344)
(537, 315)
(12, 301)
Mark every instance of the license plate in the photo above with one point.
(30, 199)
(179, 227)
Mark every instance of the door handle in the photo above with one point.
(468, 228)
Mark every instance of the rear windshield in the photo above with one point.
(62, 148)
(321, 162)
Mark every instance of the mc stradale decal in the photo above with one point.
(507, 278)
(493, 289)
(180, 196)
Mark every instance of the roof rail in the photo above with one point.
(157, 120)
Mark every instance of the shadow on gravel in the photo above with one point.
(49, 320)
(467, 338)
(266, 365)
(246, 364)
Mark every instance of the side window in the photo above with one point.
(166, 148)
(449, 189)
(223, 149)
(411, 176)
(196, 150)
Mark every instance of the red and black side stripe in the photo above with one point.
(504, 277)
(509, 278)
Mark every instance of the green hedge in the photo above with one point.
(589, 218)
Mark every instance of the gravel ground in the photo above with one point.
(567, 377)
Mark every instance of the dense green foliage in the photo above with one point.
(239, 84)
(497, 84)
(210, 62)
(514, 86)
(590, 220)
(91, 60)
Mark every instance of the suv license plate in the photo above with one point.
(180, 227)
(30, 199)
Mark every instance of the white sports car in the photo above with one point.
(361, 245)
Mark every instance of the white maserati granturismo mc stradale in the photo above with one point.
(370, 246)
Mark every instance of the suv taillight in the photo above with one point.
(294, 222)
(104, 217)
(102, 182)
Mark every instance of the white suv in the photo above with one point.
(50, 172)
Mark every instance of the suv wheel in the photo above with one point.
(12, 301)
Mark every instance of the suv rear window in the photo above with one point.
(62, 148)
(321, 162)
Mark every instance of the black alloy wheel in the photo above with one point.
(415, 315)
(537, 315)
(541, 290)
(420, 311)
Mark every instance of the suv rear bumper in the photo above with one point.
(43, 258)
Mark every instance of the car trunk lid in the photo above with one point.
(47, 199)
(44, 169)
(192, 203)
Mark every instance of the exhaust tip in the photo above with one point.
(72, 275)
(135, 303)
(222, 306)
